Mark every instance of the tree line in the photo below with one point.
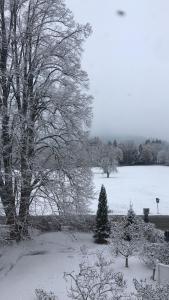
(150, 152)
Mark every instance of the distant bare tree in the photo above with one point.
(108, 159)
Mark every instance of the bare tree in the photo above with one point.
(109, 159)
(44, 106)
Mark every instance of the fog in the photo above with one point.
(127, 59)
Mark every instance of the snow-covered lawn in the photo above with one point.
(41, 263)
(138, 184)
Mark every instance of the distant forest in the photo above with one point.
(129, 153)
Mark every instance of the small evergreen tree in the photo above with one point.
(102, 231)
(131, 215)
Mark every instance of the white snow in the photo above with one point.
(41, 263)
(140, 185)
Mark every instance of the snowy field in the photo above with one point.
(139, 185)
(41, 263)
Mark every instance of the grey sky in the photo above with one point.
(127, 59)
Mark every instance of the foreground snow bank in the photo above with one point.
(41, 263)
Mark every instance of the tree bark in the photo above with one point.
(7, 195)
(26, 189)
(27, 141)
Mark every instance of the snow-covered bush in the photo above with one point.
(151, 253)
(150, 233)
(43, 295)
(147, 291)
(96, 281)
(82, 223)
(46, 223)
(144, 230)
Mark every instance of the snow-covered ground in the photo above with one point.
(41, 263)
(139, 185)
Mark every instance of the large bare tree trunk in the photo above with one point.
(28, 118)
(8, 198)
(26, 189)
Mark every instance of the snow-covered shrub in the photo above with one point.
(152, 234)
(147, 291)
(82, 223)
(151, 253)
(144, 230)
(46, 223)
(96, 281)
(43, 295)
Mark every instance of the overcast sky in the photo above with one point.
(127, 59)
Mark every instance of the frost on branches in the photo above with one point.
(43, 295)
(150, 292)
(96, 281)
(45, 108)
(153, 253)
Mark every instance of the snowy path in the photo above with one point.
(41, 263)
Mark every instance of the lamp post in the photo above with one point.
(157, 201)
